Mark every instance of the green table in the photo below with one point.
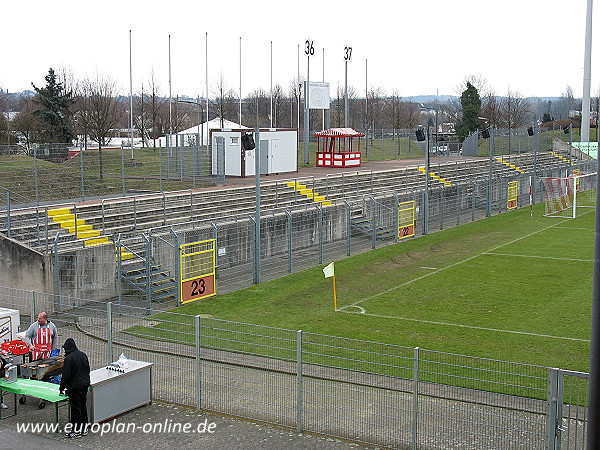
(34, 388)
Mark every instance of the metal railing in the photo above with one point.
(365, 391)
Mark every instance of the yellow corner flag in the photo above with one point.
(329, 272)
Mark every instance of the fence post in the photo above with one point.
(217, 259)
(8, 212)
(198, 364)
(119, 270)
(82, 177)
(320, 225)
(348, 228)
(56, 275)
(299, 403)
(396, 218)
(552, 419)
(289, 243)
(109, 335)
(176, 265)
(415, 409)
(148, 268)
(32, 306)
(373, 224)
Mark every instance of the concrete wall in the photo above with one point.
(89, 273)
(24, 268)
(235, 239)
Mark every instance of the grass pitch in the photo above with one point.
(511, 287)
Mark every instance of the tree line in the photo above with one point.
(93, 108)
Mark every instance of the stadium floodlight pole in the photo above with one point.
(240, 114)
(206, 81)
(170, 94)
(593, 424)
(271, 114)
(571, 148)
(487, 134)
(426, 202)
(130, 98)
(421, 137)
(309, 50)
(347, 57)
(257, 207)
(587, 75)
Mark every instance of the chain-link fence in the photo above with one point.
(46, 173)
(381, 394)
(69, 250)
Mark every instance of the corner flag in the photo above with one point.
(329, 271)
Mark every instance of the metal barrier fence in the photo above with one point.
(51, 172)
(292, 239)
(381, 394)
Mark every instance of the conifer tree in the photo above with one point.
(54, 115)
(471, 104)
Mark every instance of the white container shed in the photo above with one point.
(279, 151)
(9, 324)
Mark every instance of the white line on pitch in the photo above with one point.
(576, 228)
(431, 322)
(539, 257)
(406, 283)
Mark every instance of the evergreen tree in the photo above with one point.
(471, 104)
(53, 113)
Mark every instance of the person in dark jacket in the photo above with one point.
(76, 380)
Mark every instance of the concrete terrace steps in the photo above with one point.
(69, 221)
(309, 193)
(131, 216)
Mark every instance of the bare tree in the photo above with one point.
(514, 110)
(295, 92)
(258, 108)
(491, 109)
(154, 111)
(278, 103)
(410, 115)
(225, 100)
(4, 119)
(100, 111)
(26, 124)
(393, 106)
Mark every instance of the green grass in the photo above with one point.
(511, 287)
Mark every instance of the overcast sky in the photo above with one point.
(533, 47)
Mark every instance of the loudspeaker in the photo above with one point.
(530, 131)
(248, 142)
(566, 129)
(485, 133)
(420, 135)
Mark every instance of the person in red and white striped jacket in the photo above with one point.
(41, 337)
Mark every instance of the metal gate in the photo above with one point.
(567, 409)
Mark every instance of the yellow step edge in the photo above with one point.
(327, 203)
(305, 191)
(88, 234)
(58, 211)
(71, 223)
(319, 198)
(92, 242)
(447, 183)
(80, 228)
(124, 255)
(63, 218)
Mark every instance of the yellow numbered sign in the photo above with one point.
(406, 219)
(513, 194)
(197, 263)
